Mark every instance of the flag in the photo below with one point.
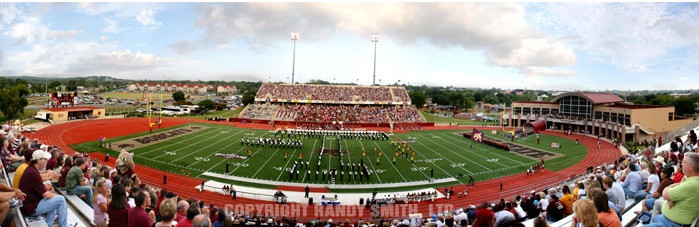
(477, 135)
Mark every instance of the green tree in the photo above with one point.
(53, 85)
(248, 97)
(662, 99)
(178, 96)
(206, 104)
(13, 100)
(491, 99)
(417, 98)
(684, 106)
(72, 85)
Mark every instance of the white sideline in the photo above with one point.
(339, 186)
(298, 197)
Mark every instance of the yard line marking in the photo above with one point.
(499, 155)
(372, 165)
(221, 149)
(309, 158)
(179, 142)
(246, 160)
(463, 156)
(394, 166)
(287, 163)
(204, 148)
(185, 146)
(265, 164)
(435, 152)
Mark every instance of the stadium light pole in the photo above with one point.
(375, 40)
(293, 36)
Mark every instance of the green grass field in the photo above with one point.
(448, 153)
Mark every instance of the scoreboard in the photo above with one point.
(62, 98)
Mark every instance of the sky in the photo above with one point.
(550, 46)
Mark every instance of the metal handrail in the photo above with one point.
(18, 215)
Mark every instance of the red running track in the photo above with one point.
(76, 132)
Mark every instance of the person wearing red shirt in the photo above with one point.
(484, 217)
(182, 208)
(191, 213)
(138, 217)
(118, 210)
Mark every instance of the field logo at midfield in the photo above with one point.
(155, 138)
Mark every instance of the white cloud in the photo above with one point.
(542, 71)
(142, 13)
(112, 26)
(8, 14)
(633, 36)
(41, 50)
(146, 18)
(499, 30)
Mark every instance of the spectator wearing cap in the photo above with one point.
(40, 199)
(681, 199)
(77, 184)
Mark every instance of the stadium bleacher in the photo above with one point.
(332, 103)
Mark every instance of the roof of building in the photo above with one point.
(535, 102)
(594, 97)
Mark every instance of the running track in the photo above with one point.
(76, 132)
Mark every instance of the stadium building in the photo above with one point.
(597, 113)
(335, 105)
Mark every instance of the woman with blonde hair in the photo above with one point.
(585, 214)
(168, 210)
(99, 201)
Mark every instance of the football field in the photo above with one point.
(447, 154)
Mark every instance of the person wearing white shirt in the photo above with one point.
(652, 187)
(460, 216)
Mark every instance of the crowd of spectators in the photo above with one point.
(333, 113)
(41, 170)
(332, 93)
